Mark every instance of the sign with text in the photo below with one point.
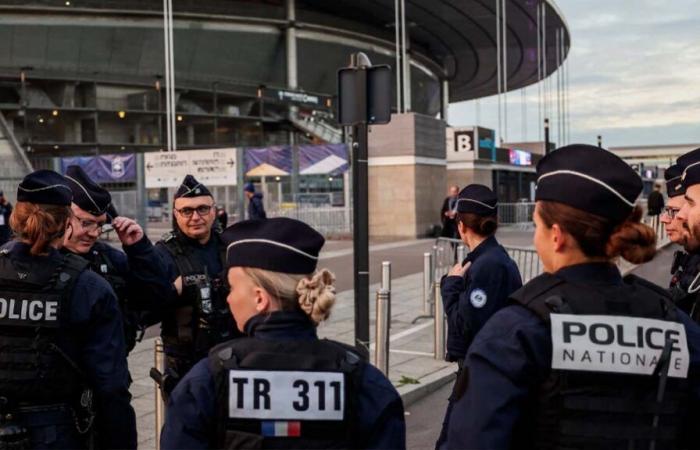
(212, 167)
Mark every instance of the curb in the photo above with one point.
(411, 393)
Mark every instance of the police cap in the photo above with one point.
(588, 178)
(690, 162)
(45, 186)
(672, 175)
(190, 187)
(279, 244)
(477, 199)
(87, 195)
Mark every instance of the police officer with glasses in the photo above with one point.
(137, 274)
(63, 371)
(583, 358)
(282, 387)
(685, 264)
(195, 316)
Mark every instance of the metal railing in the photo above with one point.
(326, 220)
(383, 321)
(515, 213)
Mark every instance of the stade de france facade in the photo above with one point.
(86, 78)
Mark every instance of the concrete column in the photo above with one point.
(291, 41)
(190, 134)
(444, 99)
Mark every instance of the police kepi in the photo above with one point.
(282, 387)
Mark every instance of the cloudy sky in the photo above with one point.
(634, 74)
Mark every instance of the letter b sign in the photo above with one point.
(464, 142)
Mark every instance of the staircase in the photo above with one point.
(14, 164)
(316, 126)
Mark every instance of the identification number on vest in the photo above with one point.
(292, 395)
(617, 344)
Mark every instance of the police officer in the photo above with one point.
(479, 286)
(689, 217)
(685, 264)
(196, 317)
(137, 275)
(282, 387)
(63, 373)
(584, 358)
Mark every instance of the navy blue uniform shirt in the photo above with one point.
(190, 416)
(686, 271)
(508, 359)
(471, 300)
(100, 354)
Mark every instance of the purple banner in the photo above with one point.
(105, 168)
(324, 159)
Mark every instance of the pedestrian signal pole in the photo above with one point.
(364, 98)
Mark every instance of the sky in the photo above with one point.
(634, 77)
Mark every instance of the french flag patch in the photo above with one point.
(279, 428)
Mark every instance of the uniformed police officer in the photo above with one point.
(480, 285)
(282, 387)
(137, 275)
(685, 264)
(63, 373)
(585, 358)
(689, 217)
(195, 318)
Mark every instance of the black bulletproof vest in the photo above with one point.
(596, 410)
(204, 319)
(34, 306)
(296, 375)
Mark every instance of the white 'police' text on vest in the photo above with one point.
(619, 344)
(33, 310)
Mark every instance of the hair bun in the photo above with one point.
(317, 295)
(633, 240)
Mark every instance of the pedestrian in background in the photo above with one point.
(5, 212)
(448, 213)
(256, 208)
(655, 205)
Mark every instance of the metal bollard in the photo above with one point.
(461, 253)
(386, 282)
(386, 275)
(427, 282)
(439, 324)
(159, 362)
(381, 347)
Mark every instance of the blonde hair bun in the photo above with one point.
(317, 295)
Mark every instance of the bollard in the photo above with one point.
(386, 282)
(427, 282)
(439, 324)
(461, 253)
(386, 275)
(381, 347)
(159, 362)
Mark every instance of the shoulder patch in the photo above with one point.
(478, 298)
(168, 236)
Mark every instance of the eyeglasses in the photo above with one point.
(202, 210)
(90, 225)
(671, 212)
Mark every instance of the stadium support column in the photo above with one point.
(291, 41)
(444, 99)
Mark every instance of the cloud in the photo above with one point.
(634, 65)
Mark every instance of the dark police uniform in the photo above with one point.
(282, 387)
(471, 300)
(199, 319)
(63, 372)
(584, 359)
(137, 275)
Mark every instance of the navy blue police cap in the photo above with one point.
(279, 244)
(87, 195)
(691, 168)
(477, 199)
(672, 175)
(190, 187)
(589, 178)
(46, 187)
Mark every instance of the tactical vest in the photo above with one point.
(581, 409)
(204, 319)
(101, 264)
(35, 303)
(286, 394)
